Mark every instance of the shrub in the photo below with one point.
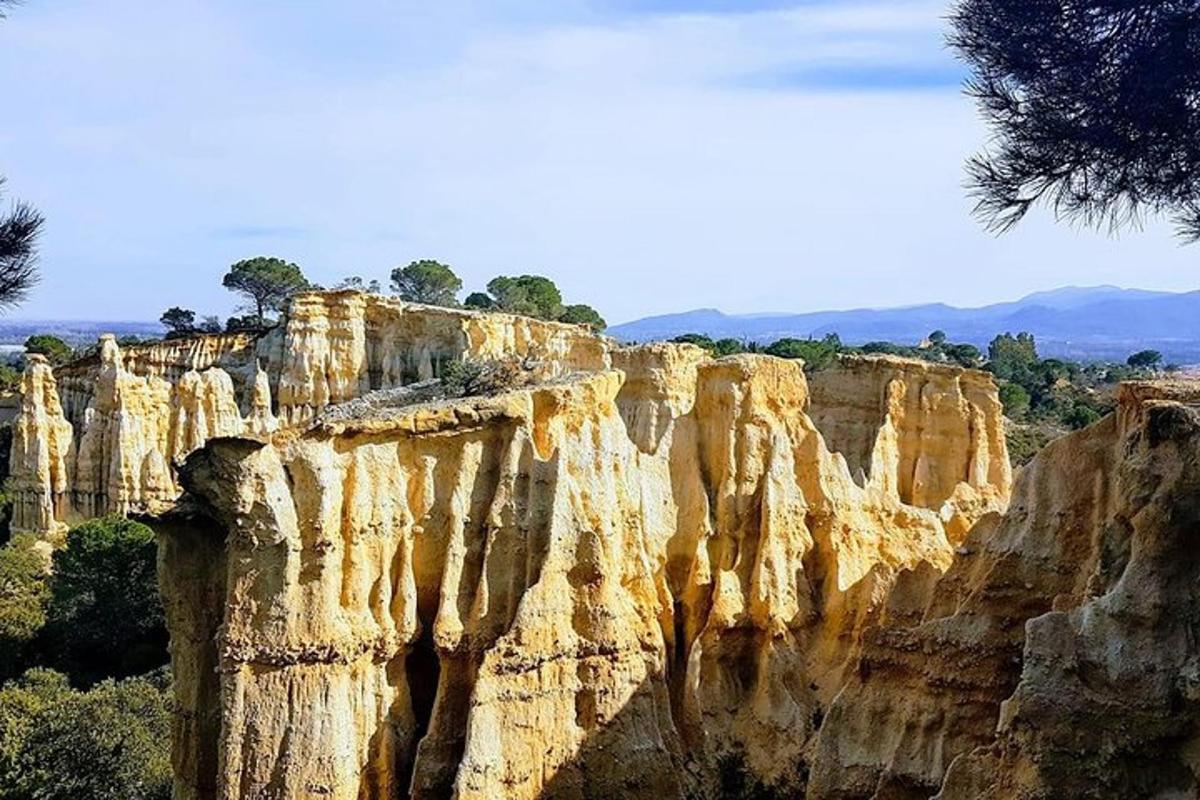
(105, 618)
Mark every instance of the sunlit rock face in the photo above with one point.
(105, 434)
(647, 581)
(643, 573)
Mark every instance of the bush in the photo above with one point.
(105, 618)
(53, 348)
(23, 596)
(109, 743)
(1015, 399)
(818, 354)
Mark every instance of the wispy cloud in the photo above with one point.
(650, 157)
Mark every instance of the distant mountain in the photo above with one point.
(74, 332)
(1082, 322)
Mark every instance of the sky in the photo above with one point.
(650, 157)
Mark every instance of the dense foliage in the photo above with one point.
(92, 618)
(53, 348)
(110, 742)
(427, 281)
(1094, 108)
(266, 283)
(104, 616)
(20, 228)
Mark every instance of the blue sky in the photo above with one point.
(649, 156)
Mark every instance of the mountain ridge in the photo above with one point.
(1086, 322)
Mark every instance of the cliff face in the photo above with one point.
(1056, 657)
(640, 582)
(640, 573)
(104, 435)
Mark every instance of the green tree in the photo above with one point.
(817, 354)
(53, 348)
(479, 300)
(1145, 359)
(248, 323)
(109, 743)
(1011, 357)
(180, 321)
(105, 618)
(1093, 108)
(1015, 400)
(355, 282)
(937, 337)
(265, 282)
(210, 324)
(20, 228)
(427, 281)
(729, 347)
(580, 314)
(1080, 416)
(23, 596)
(698, 339)
(965, 355)
(531, 295)
(22, 701)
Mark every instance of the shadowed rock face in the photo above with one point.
(639, 582)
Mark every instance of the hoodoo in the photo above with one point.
(631, 572)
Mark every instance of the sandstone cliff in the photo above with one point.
(643, 582)
(104, 434)
(640, 573)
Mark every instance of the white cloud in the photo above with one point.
(626, 156)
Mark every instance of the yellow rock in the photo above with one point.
(621, 583)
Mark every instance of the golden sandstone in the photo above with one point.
(646, 573)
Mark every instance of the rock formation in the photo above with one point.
(641, 572)
(635, 582)
(132, 415)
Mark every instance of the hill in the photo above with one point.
(1086, 323)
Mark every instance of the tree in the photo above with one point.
(427, 281)
(581, 314)
(355, 282)
(965, 355)
(210, 324)
(23, 595)
(1145, 359)
(265, 282)
(249, 323)
(109, 743)
(53, 348)
(817, 354)
(180, 321)
(937, 338)
(1015, 400)
(531, 295)
(1009, 357)
(19, 232)
(21, 702)
(105, 618)
(480, 301)
(1094, 108)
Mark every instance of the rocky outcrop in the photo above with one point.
(1055, 659)
(132, 415)
(41, 455)
(639, 582)
(639, 572)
